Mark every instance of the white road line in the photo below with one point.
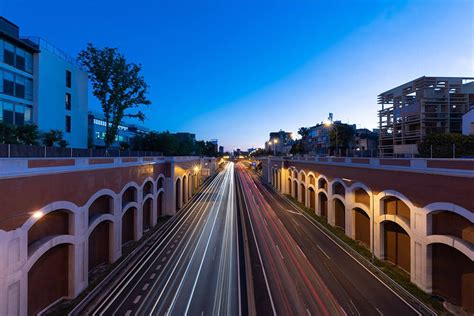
(378, 310)
(354, 307)
(128, 313)
(137, 299)
(158, 267)
(145, 286)
(323, 252)
(301, 251)
(152, 276)
(279, 251)
(164, 259)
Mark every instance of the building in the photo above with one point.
(221, 150)
(421, 107)
(96, 131)
(184, 136)
(279, 142)
(365, 142)
(468, 122)
(40, 84)
(215, 142)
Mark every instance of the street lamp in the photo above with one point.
(275, 141)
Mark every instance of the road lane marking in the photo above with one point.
(168, 252)
(278, 248)
(301, 251)
(354, 307)
(152, 276)
(265, 221)
(378, 310)
(323, 252)
(309, 313)
(164, 259)
(135, 301)
(158, 267)
(145, 286)
(293, 212)
(128, 313)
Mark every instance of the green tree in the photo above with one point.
(341, 135)
(8, 134)
(118, 85)
(442, 145)
(27, 134)
(297, 148)
(54, 138)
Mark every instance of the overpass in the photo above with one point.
(414, 213)
(61, 218)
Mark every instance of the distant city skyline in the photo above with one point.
(237, 72)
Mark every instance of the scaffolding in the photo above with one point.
(421, 107)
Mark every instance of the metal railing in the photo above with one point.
(26, 151)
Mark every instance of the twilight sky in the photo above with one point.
(236, 69)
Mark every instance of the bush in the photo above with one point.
(442, 146)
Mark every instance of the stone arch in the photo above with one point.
(338, 187)
(312, 198)
(185, 189)
(362, 194)
(160, 204)
(178, 194)
(311, 179)
(129, 194)
(101, 205)
(101, 243)
(295, 174)
(454, 284)
(339, 213)
(159, 182)
(361, 226)
(302, 193)
(396, 205)
(447, 222)
(302, 176)
(295, 189)
(55, 267)
(147, 214)
(395, 242)
(128, 224)
(148, 187)
(323, 183)
(290, 185)
(53, 223)
(323, 204)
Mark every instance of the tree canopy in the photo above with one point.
(118, 85)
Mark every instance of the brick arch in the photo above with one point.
(53, 264)
(453, 284)
(338, 187)
(148, 187)
(395, 240)
(58, 205)
(147, 210)
(129, 194)
(311, 179)
(159, 182)
(362, 193)
(101, 242)
(101, 205)
(128, 224)
(447, 222)
(395, 204)
(53, 223)
(160, 203)
(302, 176)
(339, 213)
(323, 204)
(361, 225)
(323, 183)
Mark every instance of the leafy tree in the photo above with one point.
(8, 134)
(54, 137)
(304, 132)
(19, 134)
(341, 135)
(27, 134)
(441, 145)
(118, 85)
(297, 148)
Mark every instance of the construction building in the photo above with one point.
(421, 107)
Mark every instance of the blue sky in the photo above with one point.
(236, 70)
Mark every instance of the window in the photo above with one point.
(19, 114)
(68, 101)
(20, 59)
(20, 87)
(8, 112)
(8, 84)
(68, 124)
(8, 54)
(68, 79)
(29, 89)
(28, 116)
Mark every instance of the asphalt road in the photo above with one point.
(298, 270)
(192, 267)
